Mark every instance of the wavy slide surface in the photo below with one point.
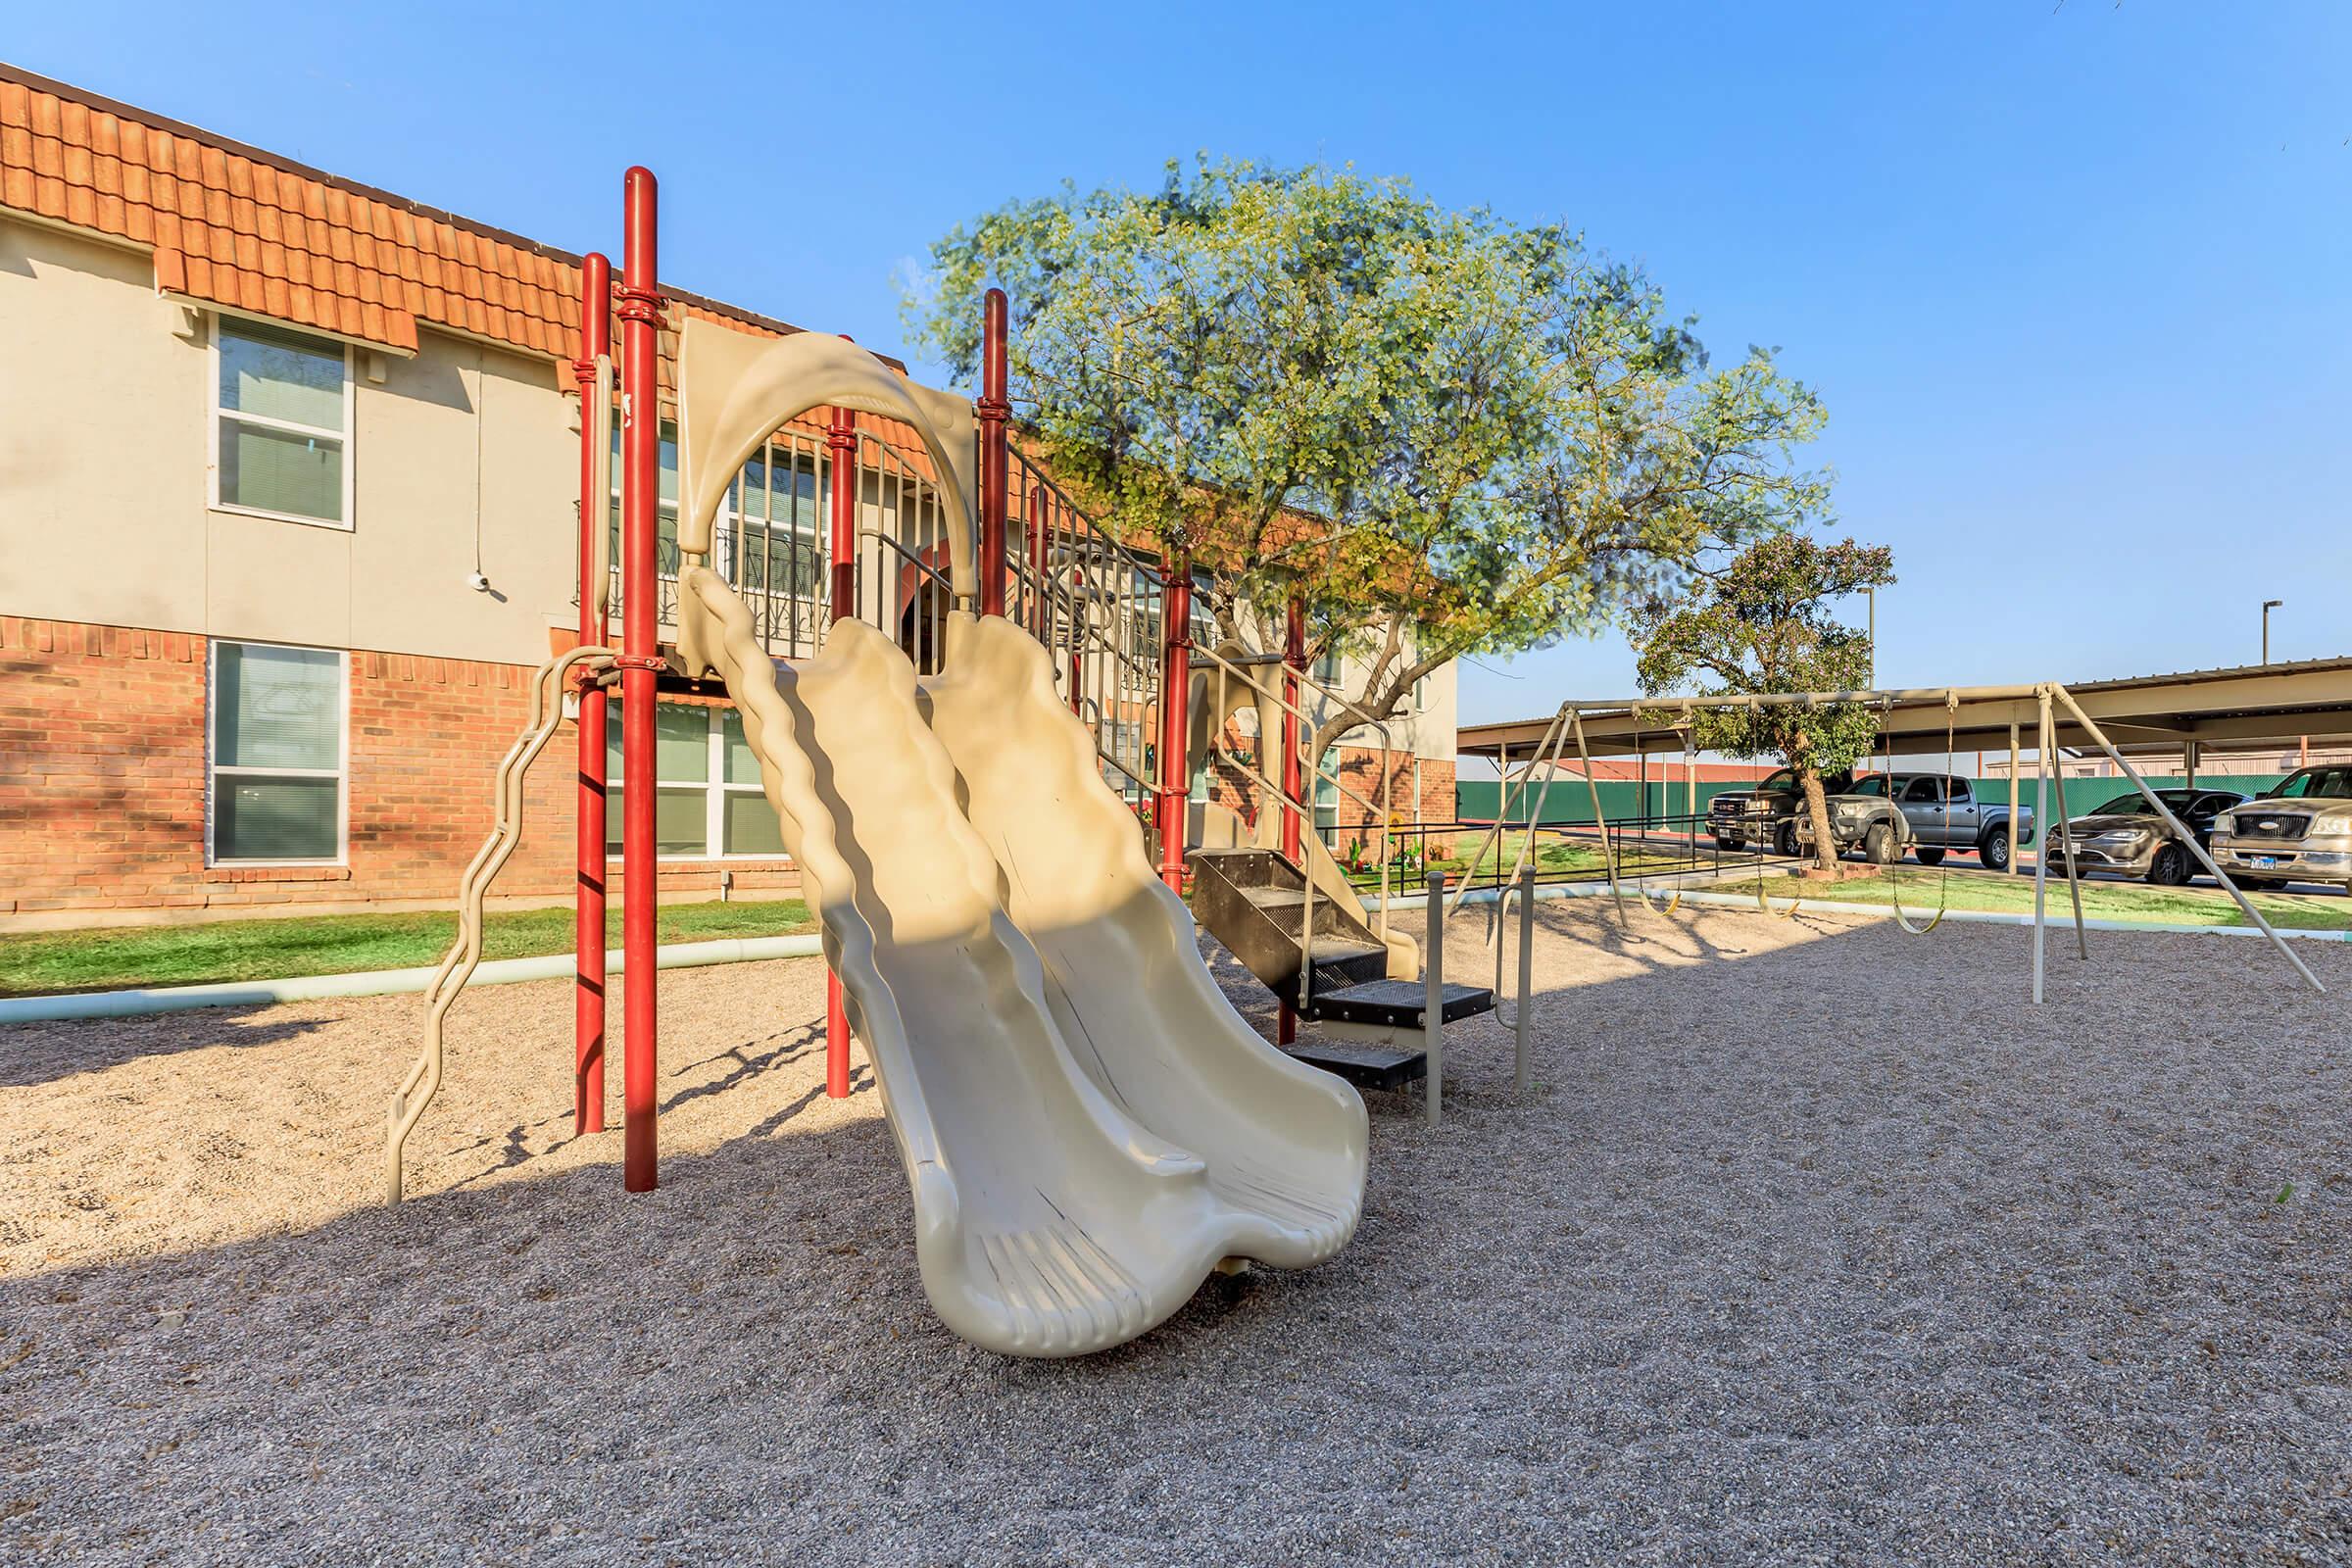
(1087, 1127)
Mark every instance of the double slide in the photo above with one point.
(1087, 1125)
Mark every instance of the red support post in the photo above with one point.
(994, 408)
(640, 302)
(588, 890)
(1294, 660)
(841, 443)
(1175, 728)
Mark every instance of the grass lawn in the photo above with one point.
(1554, 855)
(2101, 901)
(44, 963)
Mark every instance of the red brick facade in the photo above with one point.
(102, 786)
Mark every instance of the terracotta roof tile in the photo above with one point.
(238, 226)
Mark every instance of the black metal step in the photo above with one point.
(1365, 1066)
(1398, 1003)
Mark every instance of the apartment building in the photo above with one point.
(288, 475)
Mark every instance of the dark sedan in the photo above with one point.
(2127, 836)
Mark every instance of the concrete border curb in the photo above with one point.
(380, 982)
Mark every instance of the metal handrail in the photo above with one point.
(1304, 813)
(423, 1080)
(1516, 1017)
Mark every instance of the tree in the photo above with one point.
(1440, 432)
(1763, 624)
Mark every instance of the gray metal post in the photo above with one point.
(2016, 840)
(1524, 1066)
(2041, 847)
(1433, 997)
(2074, 876)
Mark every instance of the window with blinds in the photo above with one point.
(282, 423)
(277, 780)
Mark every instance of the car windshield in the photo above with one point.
(2316, 784)
(2136, 804)
(1781, 778)
(1869, 784)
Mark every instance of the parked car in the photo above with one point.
(1767, 813)
(2126, 835)
(1882, 814)
(2299, 832)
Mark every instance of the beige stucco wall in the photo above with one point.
(105, 486)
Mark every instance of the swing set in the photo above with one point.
(1630, 725)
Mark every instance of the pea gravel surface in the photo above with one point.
(1814, 1245)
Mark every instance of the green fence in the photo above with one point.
(1476, 800)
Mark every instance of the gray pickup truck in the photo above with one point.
(1767, 813)
(1882, 814)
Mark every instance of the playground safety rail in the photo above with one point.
(424, 1082)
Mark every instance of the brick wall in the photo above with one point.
(102, 747)
(1360, 770)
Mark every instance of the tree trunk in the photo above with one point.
(1817, 810)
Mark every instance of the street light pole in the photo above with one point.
(2268, 604)
(1872, 594)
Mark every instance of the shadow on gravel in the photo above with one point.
(33, 1053)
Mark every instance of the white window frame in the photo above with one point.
(346, 438)
(213, 768)
(716, 788)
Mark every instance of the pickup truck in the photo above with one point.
(1767, 813)
(1882, 814)
(2299, 832)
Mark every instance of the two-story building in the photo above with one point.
(288, 478)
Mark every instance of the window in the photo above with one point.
(274, 791)
(1327, 792)
(708, 801)
(1956, 791)
(282, 423)
(1921, 790)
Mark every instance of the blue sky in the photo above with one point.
(2074, 280)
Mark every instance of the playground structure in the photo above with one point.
(2232, 705)
(957, 765)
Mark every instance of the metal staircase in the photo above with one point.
(1255, 902)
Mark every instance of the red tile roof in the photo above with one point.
(235, 227)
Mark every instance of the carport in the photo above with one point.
(2139, 715)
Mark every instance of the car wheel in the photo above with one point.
(1785, 842)
(1878, 845)
(1931, 857)
(2170, 868)
(1994, 852)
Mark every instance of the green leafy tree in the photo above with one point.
(1443, 433)
(1763, 623)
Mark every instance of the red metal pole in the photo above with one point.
(640, 466)
(1175, 730)
(588, 890)
(994, 408)
(1294, 660)
(841, 441)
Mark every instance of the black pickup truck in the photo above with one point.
(1767, 813)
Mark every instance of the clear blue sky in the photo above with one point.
(2076, 281)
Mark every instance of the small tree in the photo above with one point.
(1443, 433)
(1763, 624)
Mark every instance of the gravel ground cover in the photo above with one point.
(1814, 1245)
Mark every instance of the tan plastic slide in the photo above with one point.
(1088, 1127)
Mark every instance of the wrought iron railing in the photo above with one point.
(1666, 845)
